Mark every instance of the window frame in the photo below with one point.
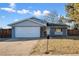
(58, 30)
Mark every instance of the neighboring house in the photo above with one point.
(34, 28)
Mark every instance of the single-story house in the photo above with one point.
(34, 28)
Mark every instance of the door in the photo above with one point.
(27, 31)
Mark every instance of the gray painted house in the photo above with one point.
(58, 29)
(34, 28)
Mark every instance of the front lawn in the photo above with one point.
(57, 47)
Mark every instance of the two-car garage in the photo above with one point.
(28, 28)
(22, 32)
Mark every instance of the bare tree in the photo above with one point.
(51, 17)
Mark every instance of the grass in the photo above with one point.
(57, 47)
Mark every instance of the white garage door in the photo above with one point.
(27, 31)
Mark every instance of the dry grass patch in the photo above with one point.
(57, 47)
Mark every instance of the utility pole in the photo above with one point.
(48, 37)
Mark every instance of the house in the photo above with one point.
(57, 29)
(34, 28)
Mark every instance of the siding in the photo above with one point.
(13, 32)
(64, 31)
(52, 31)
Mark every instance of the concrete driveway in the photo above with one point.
(14, 48)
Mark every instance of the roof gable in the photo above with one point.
(31, 20)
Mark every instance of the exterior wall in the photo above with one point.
(52, 32)
(48, 30)
(28, 23)
(43, 32)
(64, 31)
(13, 32)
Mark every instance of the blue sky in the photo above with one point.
(12, 12)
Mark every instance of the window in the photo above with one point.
(58, 30)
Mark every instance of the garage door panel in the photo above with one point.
(27, 31)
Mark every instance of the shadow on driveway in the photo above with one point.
(29, 39)
(18, 39)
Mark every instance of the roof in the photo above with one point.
(41, 21)
(30, 19)
(56, 24)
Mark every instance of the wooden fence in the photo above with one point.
(73, 32)
(5, 33)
